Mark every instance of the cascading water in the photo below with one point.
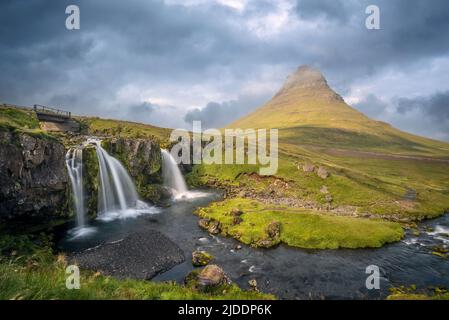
(74, 163)
(172, 175)
(118, 197)
(174, 179)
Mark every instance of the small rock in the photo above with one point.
(204, 223)
(329, 198)
(322, 173)
(308, 167)
(238, 247)
(253, 284)
(214, 227)
(201, 258)
(324, 190)
(212, 276)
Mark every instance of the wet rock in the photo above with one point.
(308, 167)
(238, 247)
(204, 223)
(214, 227)
(201, 258)
(322, 173)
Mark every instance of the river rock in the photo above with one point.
(204, 223)
(201, 258)
(253, 284)
(212, 276)
(141, 255)
(214, 227)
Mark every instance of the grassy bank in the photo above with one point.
(29, 270)
(297, 228)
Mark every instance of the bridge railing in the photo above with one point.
(52, 111)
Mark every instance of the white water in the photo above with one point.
(174, 179)
(118, 197)
(74, 163)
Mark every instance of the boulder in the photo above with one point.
(211, 276)
(201, 258)
(322, 173)
(308, 167)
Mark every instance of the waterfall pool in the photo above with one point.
(289, 273)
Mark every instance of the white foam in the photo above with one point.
(81, 232)
(140, 209)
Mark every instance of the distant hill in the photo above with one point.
(308, 112)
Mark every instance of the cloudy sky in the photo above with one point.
(169, 62)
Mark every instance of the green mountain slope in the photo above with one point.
(308, 112)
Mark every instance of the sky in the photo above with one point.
(170, 62)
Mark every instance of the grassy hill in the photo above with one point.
(372, 169)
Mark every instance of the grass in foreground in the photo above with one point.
(30, 271)
(410, 293)
(299, 228)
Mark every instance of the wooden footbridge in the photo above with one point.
(48, 114)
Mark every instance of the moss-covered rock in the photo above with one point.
(91, 180)
(201, 258)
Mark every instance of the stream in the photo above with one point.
(289, 273)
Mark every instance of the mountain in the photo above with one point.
(309, 112)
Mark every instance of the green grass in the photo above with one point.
(411, 293)
(19, 118)
(29, 270)
(125, 129)
(301, 228)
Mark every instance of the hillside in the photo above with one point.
(308, 112)
(333, 161)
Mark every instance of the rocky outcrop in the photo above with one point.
(201, 258)
(212, 276)
(33, 175)
(142, 159)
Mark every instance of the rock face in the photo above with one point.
(142, 158)
(142, 255)
(33, 175)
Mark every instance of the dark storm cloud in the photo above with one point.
(168, 49)
(218, 115)
(435, 106)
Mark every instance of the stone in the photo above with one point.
(212, 276)
(322, 173)
(324, 190)
(201, 258)
(214, 227)
(253, 284)
(308, 167)
(329, 198)
(274, 230)
(204, 223)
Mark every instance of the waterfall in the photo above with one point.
(172, 175)
(118, 197)
(74, 163)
